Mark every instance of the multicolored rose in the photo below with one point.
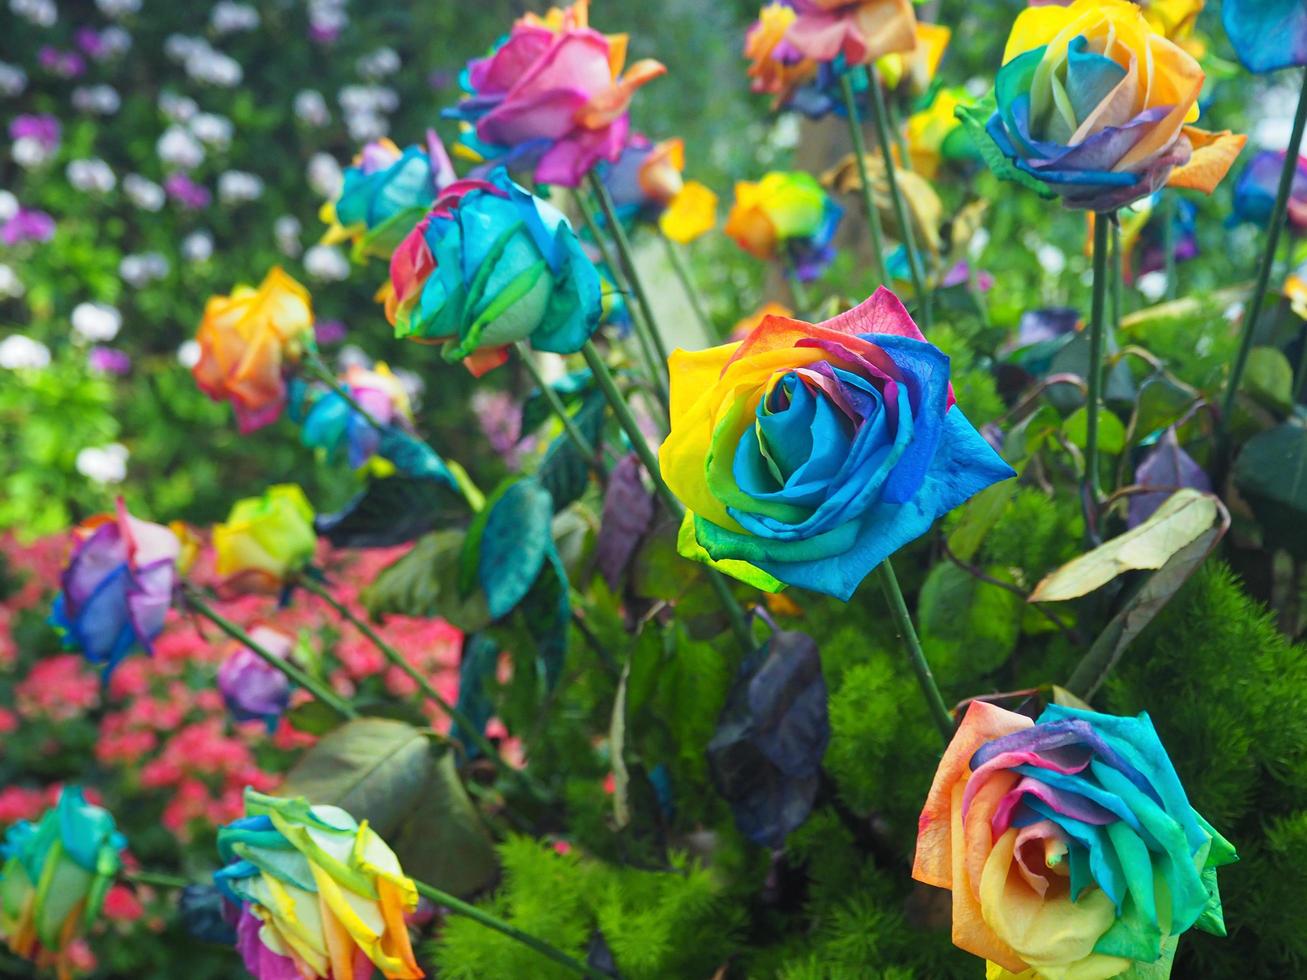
(786, 215)
(860, 31)
(253, 689)
(1069, 845)
(807, 454)
(1095, 106)
(384, 194)
(247, 340)
(320, 894)
(117, 587)
(55, 875)
(1267, 34)
(1258, 185)
(265, 540)
(331, 423)
(552, 98)
(490, 265)
(646, 184)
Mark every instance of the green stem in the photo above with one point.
(1118, 277)
(633, 279)
(896, 127)
(898, 608)
(1097, 341)
(1168, 242)
(397, 659)
(300, 677)
(739, 625)
(641, 330)
(583, 444)
(455, 904)
(797, 292)
(1276, 225)
(156, 878)
(868, 195)
(687, 284)
(900, 206)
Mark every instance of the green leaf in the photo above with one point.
(1269, 380)
(536, 409)
(424, 582)
(1111, 433)
(1182, 518)
(565, 472)
(392, 511)
(1271, 473)
(979, 515)
(1162, 403)
(967, 620)
(973, 120)
(443, 840)
(313, 717)
(373, 768)
(516, 539)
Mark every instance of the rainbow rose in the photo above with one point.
(1267, 34)
(1068, 843)
(251, 687)
(646, 184)
(807, 454)
(117, 587)
(776, 66)
(54, 879)
(551, 97)
(1257, 186)
(1095, 106)
(265, 540)
(787, 215)
(320, 894)
(331, 423)
(384, 194)
(859, 30)
(247, 340)
(490, 265)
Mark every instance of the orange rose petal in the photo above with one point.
(970, 931)
(1214, 155)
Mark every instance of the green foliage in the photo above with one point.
(1036, 533)
(674, 922)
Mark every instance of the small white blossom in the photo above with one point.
(92, 175)
(178, 108)
(30, 153)
(324, 175)
(228, 17)
(101, 100)
(103, 464)
(979, 242)
(42, 13)
(1052, 258)
(13, 80)
(96, 322)
(352, 356)
(368, 98)
(11, 287)
(238, 187)
(117, 9)
(144, 193)
(8, 205)
(326, 263)
(18, 351)
(286, 230)
(212, 130)
(311, 108)
(197, 246)
(381, 63)
(214, 68)
(188, 354)
(366, 126)
(1152, 285)
(180, 47)
(178, 148)
(115, 41)
(140, 270)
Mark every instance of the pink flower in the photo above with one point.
(122, 905)
(552, 96)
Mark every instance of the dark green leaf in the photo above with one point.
(515, 542)
(536, 408)
(424, 582)
(1271, 472)
(391, 511)
(475, 674)
(565, 472)
(1269, 380)
(313, 717)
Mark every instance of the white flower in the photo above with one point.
(103, 464)
(8, 205)
(13, 80)
(286, 230)
(102, 100)
(228, 17)
(178, 108)
(324, 175)
(115, 41)
(117, 9)
(366, 126)
(96, 322)
(18, 351)
(311, 108)
(351, 356)
(140, 270)
(412, 383)
(212, 129)
(30, 153)
(368, 98)
(180, 47)
(379, 64)
(11, 287)
(1152, 285)
(93, 175)
(197, 246)
(328, 15)
(42, 13)
(144, 193)
(326, 263)
(238, 186)
(1052, 258)
(188, 354)
(214, 68)
(178, 148)
(978, 243)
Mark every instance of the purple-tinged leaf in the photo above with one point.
(1037, 326)
(628, 513)
(1168, 467)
